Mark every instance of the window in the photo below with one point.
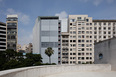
(74, 32)
(70, 32)
(90, 28)
(74, 36)
(79, 36)
(87, 20)
(109, 23)
(79, 53)
(70, 23)
(70, 57)
(104, 32)
(79, 45)
(71, 49)
(83, 36)
(79, 18)
(87, 23)
(109, 28)
(99, 28)
(79, 32)
(74, 53)
(83, 41)
(83, 49)
(74, 40)
(82, 45)
(79, 28)
(74, 45)
(90, 36)
(104, 28)
(83, 32)
(83, 28)
(87, 49)
(95, 28)
(87, 41)
(82, 58)
(100, 23)
(70, 28)
(104, 23)
(87, 32)
(95, 23)
(70, 53)
(95, 32)
(79, 40)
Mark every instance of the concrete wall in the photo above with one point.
(108, 49)
(40, 71)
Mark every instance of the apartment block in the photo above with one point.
(12, 29)
(83, 32)
(2, 36)
(47, 33)
(104, 29)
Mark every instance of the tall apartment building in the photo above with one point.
(47, 33)
(78, 42)
(2, 36)
(12, 29)
(104, 29)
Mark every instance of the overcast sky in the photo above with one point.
(28, 10)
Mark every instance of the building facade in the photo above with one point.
(105, 52)
(47, 33)
(12, 29)
(3, 44)
(82, 33)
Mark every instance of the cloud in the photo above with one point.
(23, 18)
(25, 37)
(97, 2)
(1, 0)
(62, 15)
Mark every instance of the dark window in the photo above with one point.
(70, 23)
(100, 56)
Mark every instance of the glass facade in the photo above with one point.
(46, 34)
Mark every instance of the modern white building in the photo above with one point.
(83, 32)
(3, 36)
(47, 33)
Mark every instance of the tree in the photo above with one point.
(49, 52)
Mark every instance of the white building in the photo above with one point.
(47, 33)
(3, 44)
(78, 42)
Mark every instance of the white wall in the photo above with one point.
(41, 71)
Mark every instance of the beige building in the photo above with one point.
(27, 48)
(12, 31)
(78, 42)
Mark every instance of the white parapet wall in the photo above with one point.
(42, 71)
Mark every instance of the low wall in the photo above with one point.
(40, 71)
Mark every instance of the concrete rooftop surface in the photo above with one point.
(82, 70)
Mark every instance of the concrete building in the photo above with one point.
(3, 43)
(105, 52)
(80, 40)
(12, 29)
(104, 29)
(47, 33)
(19, 47)
(83, 32)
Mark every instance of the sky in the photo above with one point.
(29, 10)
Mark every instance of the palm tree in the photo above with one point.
(49, 52)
